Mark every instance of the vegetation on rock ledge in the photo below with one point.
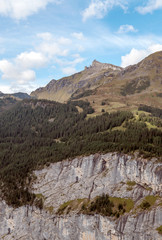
(159, 229)
(103, 205)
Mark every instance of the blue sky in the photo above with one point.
(42, 40)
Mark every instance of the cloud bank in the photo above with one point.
(20, 9)
(21, 70)
(151, 6)
(98, 8)
(136, 55)
(126, 28)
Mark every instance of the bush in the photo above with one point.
(103, 103)
(102, 205)
(120, 206)
(145, 205)
(159, 229)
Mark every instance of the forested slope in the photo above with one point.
(38, 132)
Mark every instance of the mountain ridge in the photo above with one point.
(102, 82)
(90, 78)
(7, 101)
(18, 95)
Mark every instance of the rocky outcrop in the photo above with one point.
(99, 65)
(27, 223)
(87, 177)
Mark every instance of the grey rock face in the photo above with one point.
(27, 223)
(87, 177)
(96, 64)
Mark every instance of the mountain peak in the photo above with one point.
(97, 64)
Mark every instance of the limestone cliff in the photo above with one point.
(88, 177)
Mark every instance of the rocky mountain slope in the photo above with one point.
(90, 78)
(118, 88)
(137, 84)
(74, 181)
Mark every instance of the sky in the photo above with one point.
(41, 40)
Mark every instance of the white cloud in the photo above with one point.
(69, 70)
(71, 65)
(126, 28)
(11, 71)
(151, 6)
(20, 9)
(20, 71)
(19, 79)
(64, 41)
(46, 36)
(61, 50)
(98, 8)
(31, 60)
(136, 55)
(155, 48)
(78, 35)
(27, 88)
(76, 59)
(5, 89)
(52, 47)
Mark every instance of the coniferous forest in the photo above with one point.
(35, 133)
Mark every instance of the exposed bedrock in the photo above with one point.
(87, 177)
